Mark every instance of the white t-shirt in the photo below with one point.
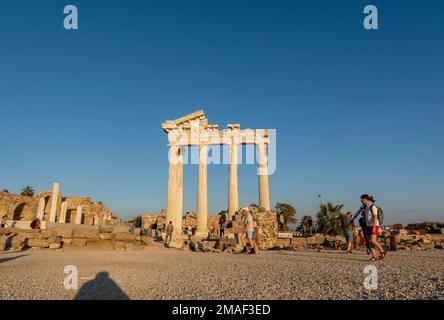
(249, 222)
(370, 215)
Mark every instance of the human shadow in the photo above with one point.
(102, 287)
(2, 260)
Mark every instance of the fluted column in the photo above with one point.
(54, 202)
(41, 209)
(264, 193)
(64, 207)
(233, 196)
(79, 214)
(202, 213)
(175, 187)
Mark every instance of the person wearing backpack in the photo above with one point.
(372, 222)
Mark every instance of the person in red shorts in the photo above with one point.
(372, 227)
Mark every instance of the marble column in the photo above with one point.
(79, 215)
(64, 208)
(175, 187)
(54, 202)
(264, 193)
(202, 213)
(41, 209)
(233, 195)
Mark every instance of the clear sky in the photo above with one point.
(355, 111)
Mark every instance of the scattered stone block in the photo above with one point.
(67, 241)
(125, 236)
(55, 245)
(129, 246)
(38, 243)
(298, 242)
(86, 234)
(79, 242)
(45, 234)
(64, 232)
(106, 236)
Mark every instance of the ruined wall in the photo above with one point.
(22, 208)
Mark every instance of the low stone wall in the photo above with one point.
(56, 237)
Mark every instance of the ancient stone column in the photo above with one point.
(54, 202)
(41, 209)
(233, 196)
(79, 215)
(264, 193)
(175, 187)
(63, 210)
(202, 225)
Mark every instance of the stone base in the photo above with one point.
(199, 236)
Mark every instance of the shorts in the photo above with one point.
(348, 236)
(369, 231)
(249, 234)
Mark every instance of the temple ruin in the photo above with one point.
(194, 130)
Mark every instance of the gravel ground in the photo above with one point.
(159, 273)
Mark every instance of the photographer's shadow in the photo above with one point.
(102, 287)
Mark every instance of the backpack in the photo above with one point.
(33, 224)
(380, 214)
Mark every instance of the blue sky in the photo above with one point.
(355, 111)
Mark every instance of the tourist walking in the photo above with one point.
(247, 234)
(169, 233)
(221, 227)
(372, 227)
(347, 225)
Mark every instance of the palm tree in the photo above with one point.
(28, 191)
(287, 211)
(306, 223)
(329, 218)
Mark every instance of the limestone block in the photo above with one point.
(86, 234)
(106, 229)
(285, 235)
(106, 236)
(38, 243)
(55, 246)
(283, 242)
(231, 242)
(64, 232)
(129, 246)
(442, 230)
(54, 239)
(45, 234)
(403, 232)
(210, 244)
(125, 236)
(311, 241)
(177, 242)
(3, 241)
(298, 242)
(67, 241)
(79, 242)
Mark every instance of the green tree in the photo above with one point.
(28, 191)
(330, 218)
(306, 223)
(137, 221)
(288, 212)
(5, 190)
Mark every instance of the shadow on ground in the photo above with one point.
(2, 260)
(102, 287)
